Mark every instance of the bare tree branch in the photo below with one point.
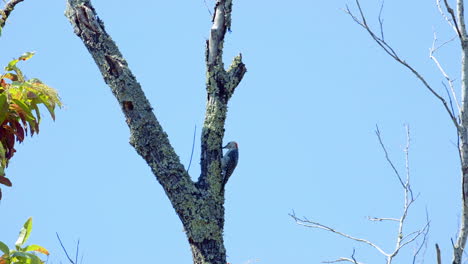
(380, 219)
(441, 69)
(424, 240)
(193, 147)
(407, 167)
(451, 106)
(343, 260)
(312, 224)
(451, 22)
(6, 11)
(352, 259)
(66, 253)
(457, 22)
(392, 53)
(439, 258)
(454, 20)
(401, 239)
(377, 133)
(381, 20)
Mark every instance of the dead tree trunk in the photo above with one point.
(459, 27)
(199, 205)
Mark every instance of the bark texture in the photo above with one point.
(199, 205)
(462, 130)
(6, 11)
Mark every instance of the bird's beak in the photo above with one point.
(225, 146)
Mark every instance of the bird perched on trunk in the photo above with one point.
(229, 160)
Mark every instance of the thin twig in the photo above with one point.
(442, 70)
(424, 242)
(63, 248)
(381, 21)
(380, 219)
(377, 132)
(312, 224)
(407, 167)
(193, 146)
(352, 259)
(449, 97)
(208, 8)
(77, 251)
(342, 260)
(352, 256)
(418, 233)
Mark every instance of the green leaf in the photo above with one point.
(24, 233)
(10, 76)
(2, 151)
(4, 248)
(36, 248)
(11, 65)
(3, 107)
(29, 116)
(50, 106)
(26, 56)
(36, 109)
(26, 258)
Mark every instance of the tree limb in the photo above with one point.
(220, 86)
(6, 11)
(312, 224)
(439, 258)
(454, 19)
(461, 18)
(146, 134)
(449, 20)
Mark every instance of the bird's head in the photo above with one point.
(231, 145)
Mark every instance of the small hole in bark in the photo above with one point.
(128, 106)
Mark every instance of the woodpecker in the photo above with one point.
(229, 160)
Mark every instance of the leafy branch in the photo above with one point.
(22, 254)
(19, 109)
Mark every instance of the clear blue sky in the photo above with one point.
(304, 117)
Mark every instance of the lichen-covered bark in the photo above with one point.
(6, 11)
(200, 205)
(220, 86)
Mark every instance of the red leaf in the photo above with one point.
(5, 181)
(19, 131)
